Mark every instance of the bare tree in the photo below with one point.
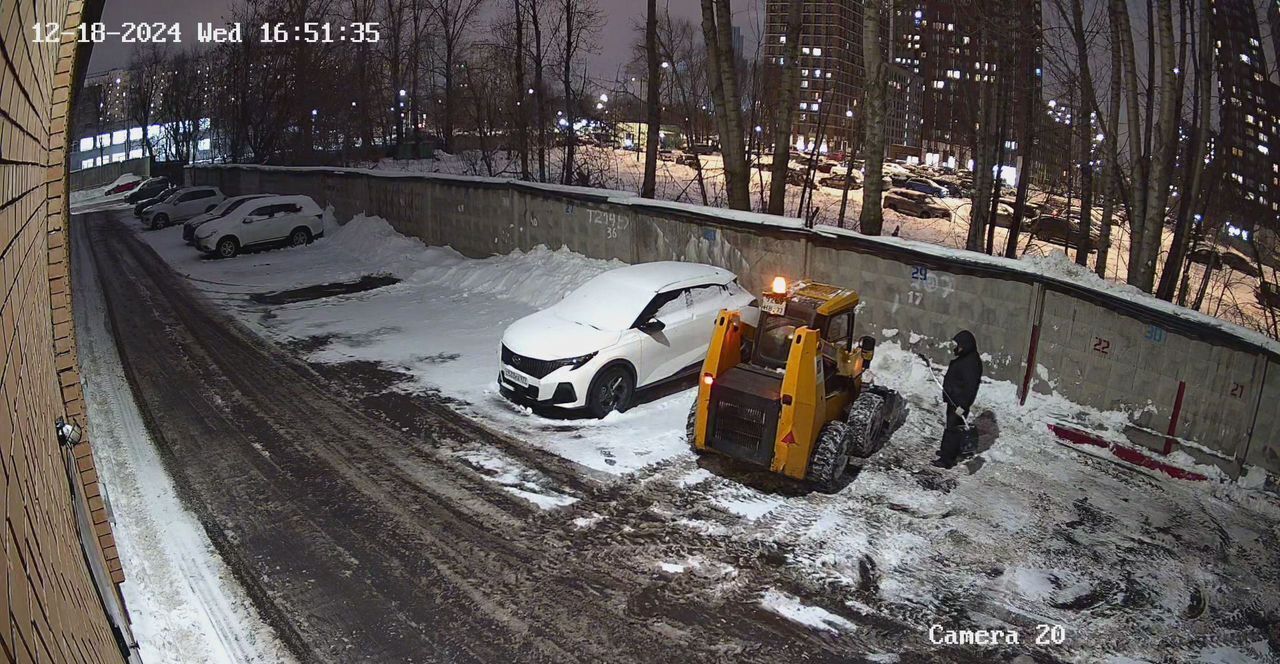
(873, 108)
(581, 20)
(1142, 266)
(788, 89)
(1197, 148)
(652, 103)
(717, 31)
(147, 78)
(183, 109)
(453, 19)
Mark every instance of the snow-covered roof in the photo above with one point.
(662, 275)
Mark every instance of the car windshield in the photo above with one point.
(773, 343)
(605, 303)
(228, 205)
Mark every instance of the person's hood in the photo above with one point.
(546, 336)
(965, 343)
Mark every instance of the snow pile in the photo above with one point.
(372, 240)
(539, 278)
(792, 609)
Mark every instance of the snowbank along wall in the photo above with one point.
(1189, 382)
(59, 555)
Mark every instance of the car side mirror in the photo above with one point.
(251, 218)
(652, 325)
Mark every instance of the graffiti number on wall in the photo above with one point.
(919, 273)
(1102, 345)
(1237, 390)
(613, 222)
(1155, 334)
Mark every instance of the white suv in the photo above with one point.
(624, 329)
(182, 204)
(262, 222)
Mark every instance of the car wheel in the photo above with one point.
(830, 457)
(299, 237)
(228, 247)
(611, 390)
(159, 221)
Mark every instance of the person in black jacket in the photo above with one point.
(959, 391)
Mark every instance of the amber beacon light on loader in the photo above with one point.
(790, 395)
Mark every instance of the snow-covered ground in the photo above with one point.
(185, 606)
(1034, 533)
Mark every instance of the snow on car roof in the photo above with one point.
(659, 275)
(614, 299)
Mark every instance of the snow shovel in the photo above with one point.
(968, 434)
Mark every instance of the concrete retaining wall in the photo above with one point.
(1096, 347)
(88, 178)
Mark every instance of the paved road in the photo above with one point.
(353, 521)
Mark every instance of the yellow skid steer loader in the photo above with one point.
(794, 400)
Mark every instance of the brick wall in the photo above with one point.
(50, 608)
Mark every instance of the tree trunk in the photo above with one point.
(788, 90)
(983, 164)
(872, 220)
(653, 104)
(519, 108)
(1135, 195)
(539, 94)
(566, 172)
(1030, 105)
(1163, 148)
(1111, 167)
(1189, 193)
(717, 31)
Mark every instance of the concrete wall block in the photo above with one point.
(1264, 445)
(594, 229)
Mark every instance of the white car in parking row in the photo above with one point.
(261, 222)
(625, 329)
(181, 205)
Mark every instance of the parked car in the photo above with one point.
(1224, 258)
(688, 159)
(915, 204)
(704, 149)
(144, 204)
(148, 189)
(841, 181)
(122, 184)
(184, 204)
(227, 206)
(1060, 230)
(623, 330)
(797, 178)
(926, 186)
(270, 221)
(666, 155)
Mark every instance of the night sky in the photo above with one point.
(616, 38)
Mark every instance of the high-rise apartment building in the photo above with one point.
(1249, 115)
(942, 42)
(832, 74)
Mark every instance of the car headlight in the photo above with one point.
(576, 362)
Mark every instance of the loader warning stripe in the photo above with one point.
(1125, 453)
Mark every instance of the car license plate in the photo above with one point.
(776, 307)
(516, 378)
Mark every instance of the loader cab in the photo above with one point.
(828, 309)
